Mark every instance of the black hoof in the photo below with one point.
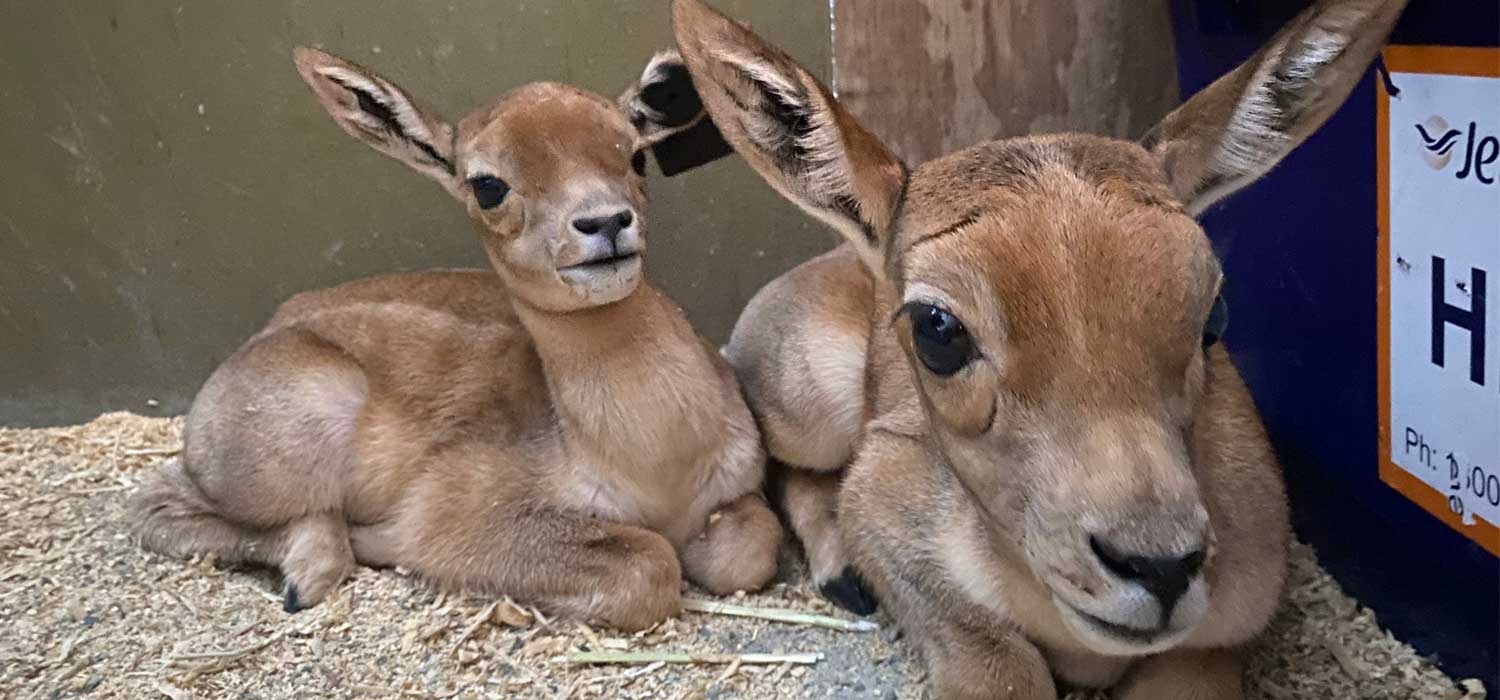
(293, 602)
(850, 592)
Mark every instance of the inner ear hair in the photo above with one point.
(378, 113)
(800, 132)
(791, 130)
(1242, 125)
(385, 119)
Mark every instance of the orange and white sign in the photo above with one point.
(1438, 141)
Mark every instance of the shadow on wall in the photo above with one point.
(170, 180)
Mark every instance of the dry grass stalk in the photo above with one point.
(793, 617)
(669, 657)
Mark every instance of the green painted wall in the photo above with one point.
(166, 179)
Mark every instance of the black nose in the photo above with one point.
(610, 226)
(1167, 578)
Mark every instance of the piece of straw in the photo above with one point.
(793, 617)
(651, 657)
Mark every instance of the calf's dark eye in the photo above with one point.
(638, 163)
(1218, 322)
(941, 342)
(489, 191)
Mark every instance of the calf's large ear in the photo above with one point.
(1236, 129)
(376, 112)
(791, 130)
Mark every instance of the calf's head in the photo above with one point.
(552, 176)
(1058, 304)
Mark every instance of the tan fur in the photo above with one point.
(561, 435)
(1003, 512)
(804, 375)
(810, 402)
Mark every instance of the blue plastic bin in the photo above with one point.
(1302, 253)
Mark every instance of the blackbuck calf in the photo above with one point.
(1053, 475)
(552, 429)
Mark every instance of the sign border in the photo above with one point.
(1477, 62)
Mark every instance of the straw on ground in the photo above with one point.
(793, 617)
(671, 657)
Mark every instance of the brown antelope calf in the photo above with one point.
(553, 429)
(1056, 475)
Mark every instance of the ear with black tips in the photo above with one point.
(375, 111)
(665, 108)
(1236, 129)
(791, 130)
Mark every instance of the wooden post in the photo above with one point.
(933, 76)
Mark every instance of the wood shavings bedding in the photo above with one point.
(87, 613)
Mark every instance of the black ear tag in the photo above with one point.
(672, 95)
(689, 149)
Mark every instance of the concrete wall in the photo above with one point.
(167, 179)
